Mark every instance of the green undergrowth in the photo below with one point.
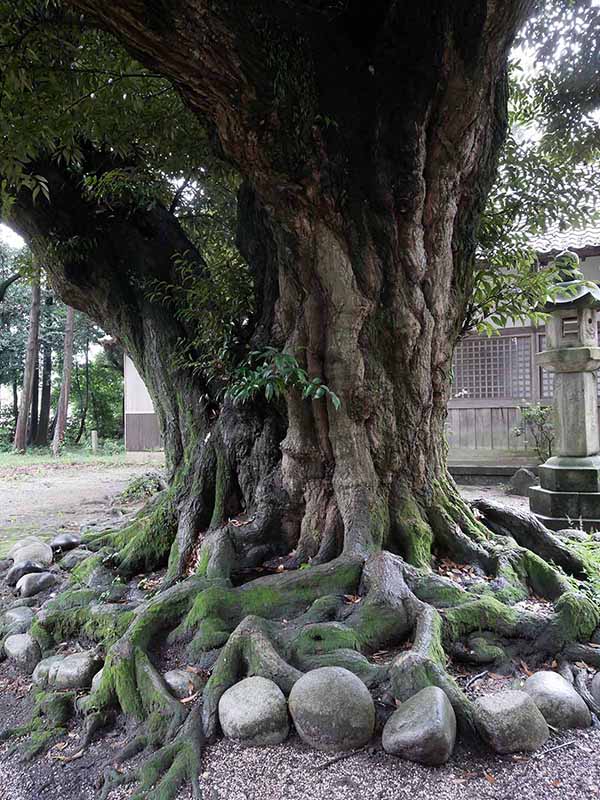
(141, 488)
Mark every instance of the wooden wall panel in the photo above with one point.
(483, 428)
(453, 427)
(499, 428)
(142, 433)
(466, 428)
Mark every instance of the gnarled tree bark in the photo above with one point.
(367, 143)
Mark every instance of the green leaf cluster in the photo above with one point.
(274, 374)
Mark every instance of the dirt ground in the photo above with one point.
(43, 498)
(568, 766)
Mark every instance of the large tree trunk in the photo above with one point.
(62, 409)
(367, 143)
(371, 138)
(29, 372)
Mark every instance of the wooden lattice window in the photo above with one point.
(493, 368)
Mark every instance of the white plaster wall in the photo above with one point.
(137, 399)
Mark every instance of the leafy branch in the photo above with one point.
(274, 373)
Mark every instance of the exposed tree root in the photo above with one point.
(166, 769)
(529, 532)
(143, 545)
(337, 613)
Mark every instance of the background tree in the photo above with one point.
(30, 368)
(62, 408)
(14, 316)
(41, 438)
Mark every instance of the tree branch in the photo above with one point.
(6, 284)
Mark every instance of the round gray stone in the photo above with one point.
(35, 550)
(65, 541)
(254, 713)
(332, 709)
(16, 572)
(23, 650)
(76, 671)
(97, 679)
(45, 672)
(423, 729)
(521, 482)
(34, 583)
(17, 545)
(18, 620)
(595, 687)
(558, 701)
(182, 683)
(18, 614)
(74, 557)
(573, 533)
(510, 722)
(100, 578)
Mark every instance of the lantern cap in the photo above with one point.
(586, 295)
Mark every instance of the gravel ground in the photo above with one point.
(41, 499)
(292, 771)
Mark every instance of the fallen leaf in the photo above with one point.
(190, 698)
(526, 669)
(555, 783)
(489, 777)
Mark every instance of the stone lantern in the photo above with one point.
(569, 493)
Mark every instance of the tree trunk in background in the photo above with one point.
(41, 439)
(15, 400)
(65, 389)
(20, 441)
(85, 400)
(222, 460)
(32, 428)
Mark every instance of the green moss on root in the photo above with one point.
(145, 544)
(486, 613)
(414, 533)
(577, 617)
(323, 638)
(219, 609)
(76, 613)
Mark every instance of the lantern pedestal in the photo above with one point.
(569, 491)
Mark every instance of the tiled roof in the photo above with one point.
(576, 239)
